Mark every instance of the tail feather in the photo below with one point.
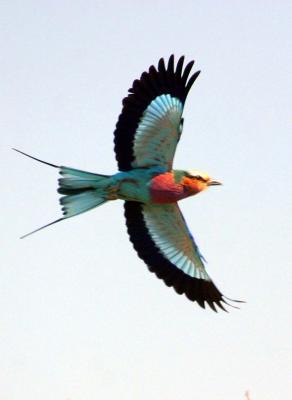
(75, 179)
(83, 190)
(79, 203)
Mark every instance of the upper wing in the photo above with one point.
(150, 124)
(162, 239)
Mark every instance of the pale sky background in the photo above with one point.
(81, 317)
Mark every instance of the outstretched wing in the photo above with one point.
(150, 124)
(162, 239)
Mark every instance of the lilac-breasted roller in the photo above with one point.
(146, 135)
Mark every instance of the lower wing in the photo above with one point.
(162, 239)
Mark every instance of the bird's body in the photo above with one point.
(151, 186)
(135, 185)
(146, 136)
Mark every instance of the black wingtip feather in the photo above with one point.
(192, 80)
(187, 71)
(179, 66)
(161, 65)
(170, 66)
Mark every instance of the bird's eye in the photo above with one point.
(198, 177)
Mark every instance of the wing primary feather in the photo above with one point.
(179, 67)
(154, 78)
(162, 72)
(187, 71)
(191, 81)
(150, 79)
(180, 90)
(170, 66)
(211, 305)
(161, 66)
(170, 277)
(146, 85)
(218, 303)
(179, 284)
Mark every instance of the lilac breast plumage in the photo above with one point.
(164, 189)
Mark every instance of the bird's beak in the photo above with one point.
(214, 183)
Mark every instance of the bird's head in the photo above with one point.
(196, 181)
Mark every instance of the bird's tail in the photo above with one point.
(82, 190)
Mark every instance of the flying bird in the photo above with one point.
(145, 139)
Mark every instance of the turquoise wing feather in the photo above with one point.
(168, 230)
(158, 133)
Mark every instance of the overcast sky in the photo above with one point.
(81, 317)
